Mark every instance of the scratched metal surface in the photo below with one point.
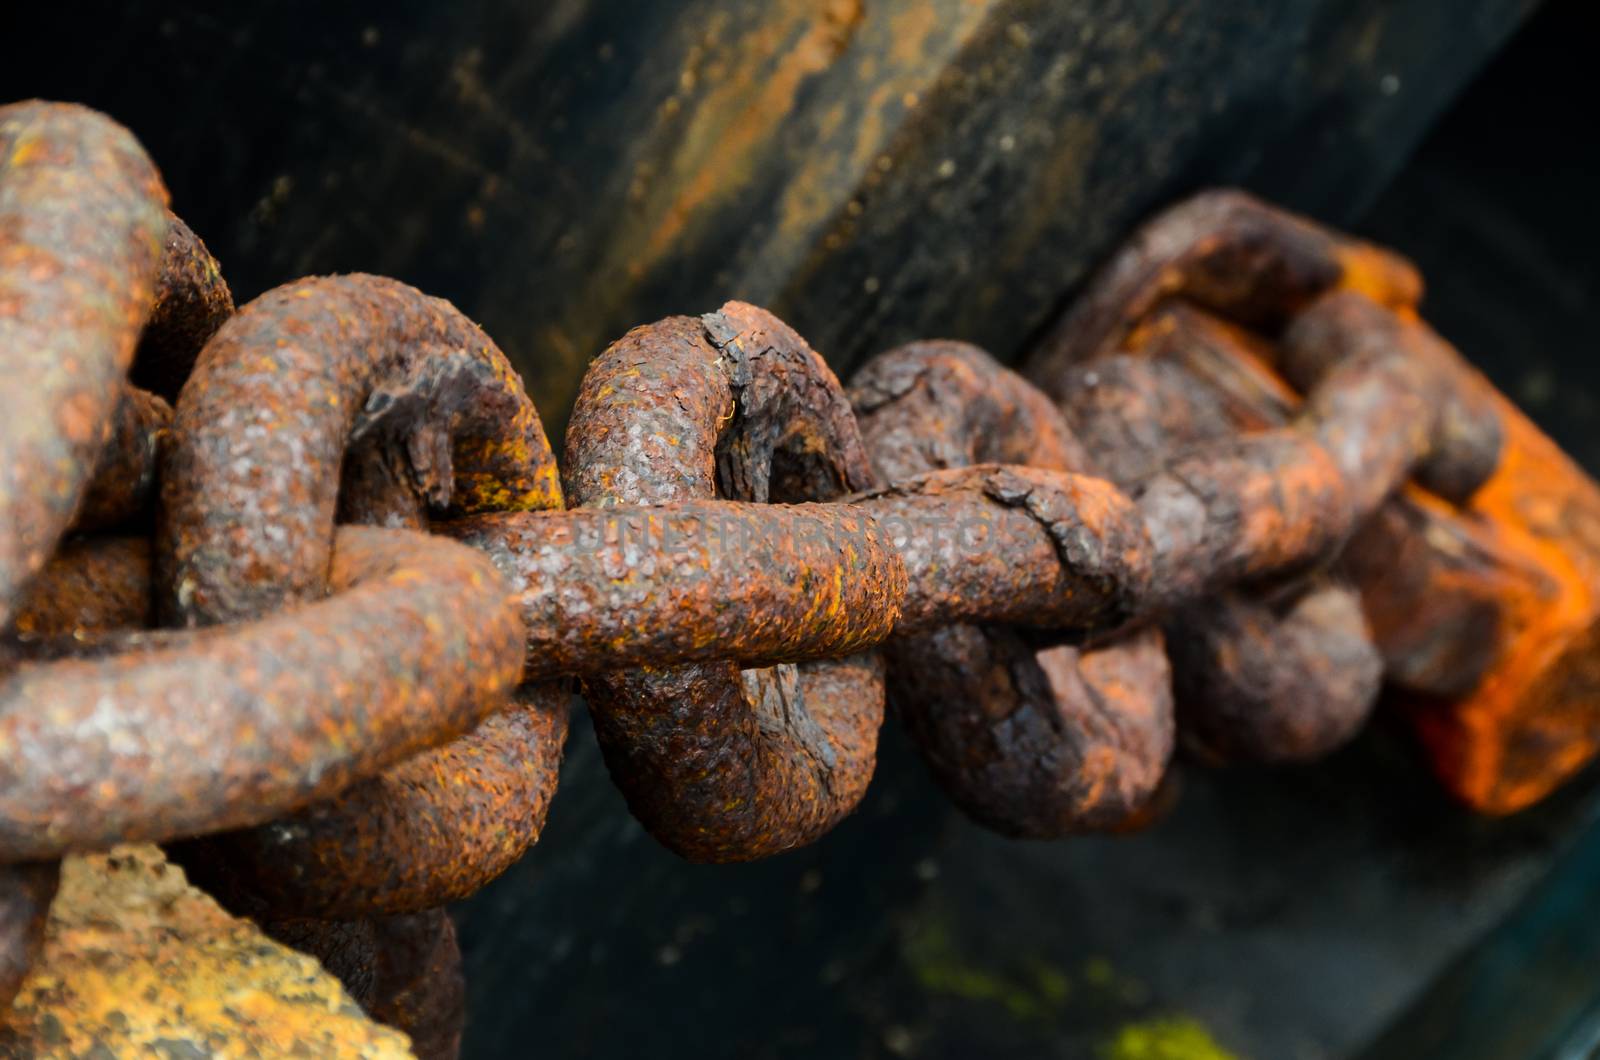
(565, 170)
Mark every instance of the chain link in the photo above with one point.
(315, 623)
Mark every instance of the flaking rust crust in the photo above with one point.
(84, 212)
(192, 301)
(1284, 674)
(1029, 741)
(1014, 544)
(722, 764)
(185, 732)
(135, 963)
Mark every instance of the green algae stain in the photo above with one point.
(940, 969)
(1167, 1038)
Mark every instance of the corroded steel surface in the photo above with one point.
(1230, 253)
(429, 830)
(721, 763)
(443, 424)
(179, 733)
(83, 212)
(90, 586)
(124, 480)
(601, 588)
(1029, 740)
(1285, 673)
(1241, 423)
(1003, 543)
(251, 478)
(1477, 578)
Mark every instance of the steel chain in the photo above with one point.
(1246, 487)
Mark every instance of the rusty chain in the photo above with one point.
(299, 591)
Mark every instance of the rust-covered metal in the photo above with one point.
(83, 211)
(251, 478)
(602, 588)
(1030, 740)
(192, 300)
(434, 419)
(719, 763)
(418, 984)
(90, 586)
(124, 481)
(429, 830)
(1228, 252)
(1007, 543)
(1284, 673)
(136, 962)
(1250, 474)
(155, 736)
(1467, 607)
(1346, 331)
(1486, 610)
(1477, 578)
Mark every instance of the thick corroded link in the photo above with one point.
(83, 212)
(1029, 741)
(1465, 436)
(442, 426)
(251, 478)
(25, 894)
(1252, 508)
(1012, 544)
(1484, 609)
(1378, 411)
(1488, 616)
(192, 301)
(1281, 500)
(722, 764)
(1229, 252)
(606, 587)
(161, 735)
(431, 829)
(1286, 674)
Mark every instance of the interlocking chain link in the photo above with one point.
(299, 591)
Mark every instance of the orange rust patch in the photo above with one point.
(137, 961)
